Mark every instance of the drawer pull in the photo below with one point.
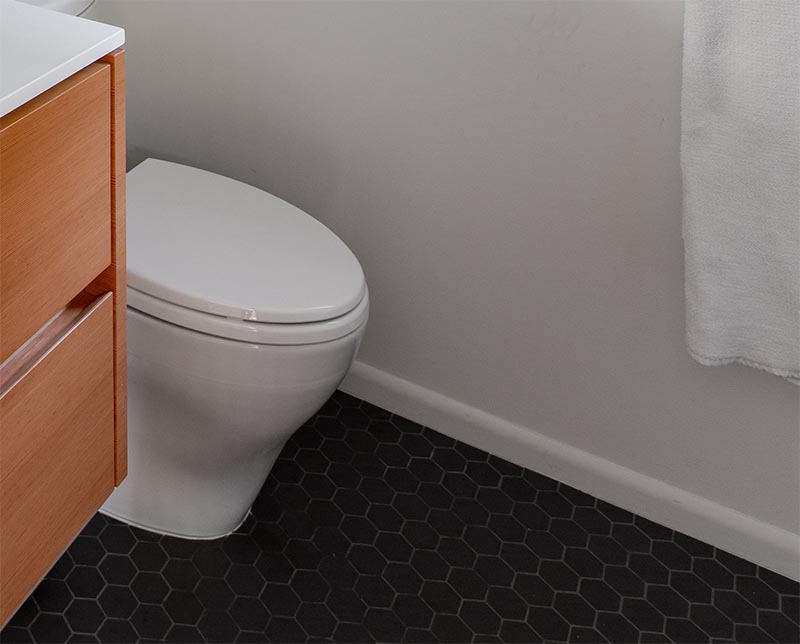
(24, 359)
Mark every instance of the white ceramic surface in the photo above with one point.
(39, 48)
(213, 244)
(213, 399)
(207, 417)
(255, 332)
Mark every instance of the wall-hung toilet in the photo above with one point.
(244, 315)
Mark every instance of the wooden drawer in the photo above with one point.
(55, 201)
(56, 442)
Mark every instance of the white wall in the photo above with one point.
(508, 175)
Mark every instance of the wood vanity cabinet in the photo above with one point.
(62, 318)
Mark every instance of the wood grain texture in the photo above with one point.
(56, 451)
(55, 195)
(23, 359)
(114, 278)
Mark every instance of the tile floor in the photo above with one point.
(372, 528)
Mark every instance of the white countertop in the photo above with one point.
(39, 48)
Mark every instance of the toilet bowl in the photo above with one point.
(244, 315)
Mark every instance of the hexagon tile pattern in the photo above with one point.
(373, 528)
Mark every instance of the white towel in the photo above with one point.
(740, 158)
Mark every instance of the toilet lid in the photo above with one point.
(216, 245)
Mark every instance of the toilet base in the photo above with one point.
(167, 533)
(208, 417)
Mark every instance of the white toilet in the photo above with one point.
(244, 315)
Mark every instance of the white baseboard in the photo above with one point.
(698, 517)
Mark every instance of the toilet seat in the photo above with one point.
(218, 256)
(252, 332)
(218, 246)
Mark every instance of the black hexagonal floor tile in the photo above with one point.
(373, 528)
(117, 601)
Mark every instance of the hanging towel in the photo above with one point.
(740, 159)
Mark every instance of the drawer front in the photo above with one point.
(56, 450)
(55, 201)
